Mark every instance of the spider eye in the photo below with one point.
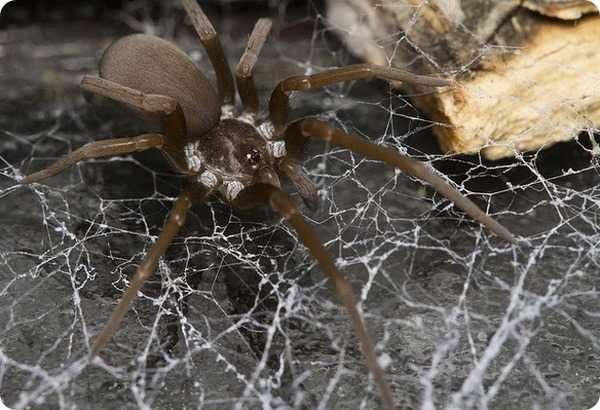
(253, 156)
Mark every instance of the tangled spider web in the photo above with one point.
(238, 315)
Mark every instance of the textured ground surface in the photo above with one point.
(237, 315)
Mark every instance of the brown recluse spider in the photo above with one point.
(238, 155)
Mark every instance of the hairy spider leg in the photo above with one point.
(145, 269)
(244, 70)
(279, 102)
(165, 106)
(298, 132)
(282, 203)
(98, 149)
(210, 40)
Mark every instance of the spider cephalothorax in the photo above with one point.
(234, 155)
(239, 154)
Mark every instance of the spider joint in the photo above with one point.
(267, 130)
(227, 112)
(208, 179)
(248, 117)
(193, 157)
(277, 149)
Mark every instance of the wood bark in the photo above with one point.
(527, 78)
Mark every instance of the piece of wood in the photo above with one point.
(562, 9)
(526, 81)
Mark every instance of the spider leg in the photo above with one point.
(105, 148)
(165, 106)
(150, 103)
(283, 204)
(300, 131)
(244, 69)
(145, 269)
(210, 40)
(279, 102)
(303, 185)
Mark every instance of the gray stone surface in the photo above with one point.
(242, 315)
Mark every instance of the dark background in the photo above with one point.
(25, 12)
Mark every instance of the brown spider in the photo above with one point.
(239, 155)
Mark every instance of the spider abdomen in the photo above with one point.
(152, 65)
